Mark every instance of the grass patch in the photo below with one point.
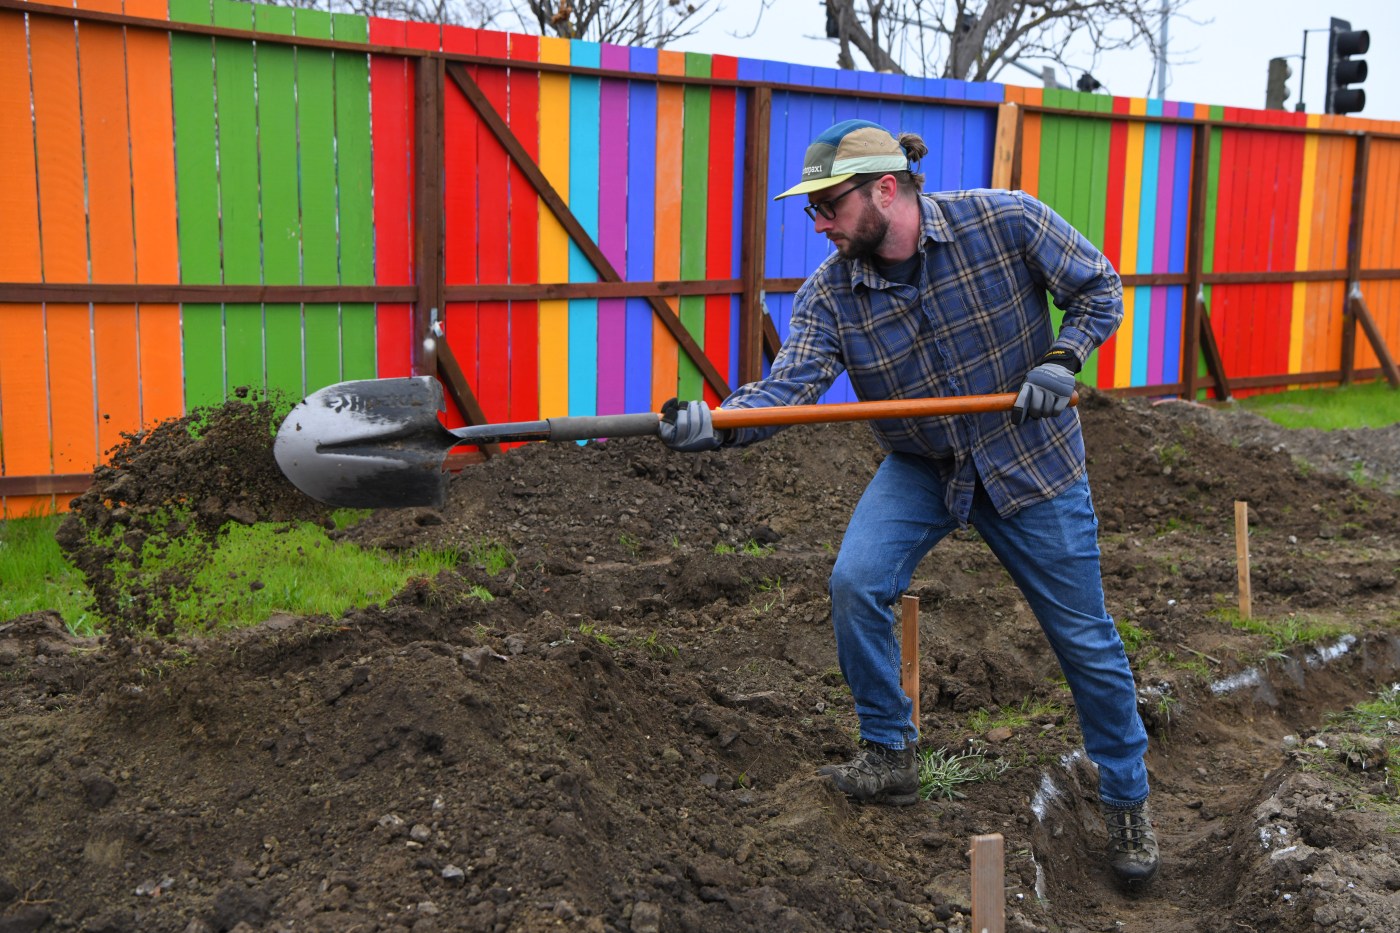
(258, 570)
(1133, 636)
(1292, 631)
(1019, 716)
(1371, 405)
(248, 574)
(34, 575)
(942, 773)
(749, 548)
(1362, 744)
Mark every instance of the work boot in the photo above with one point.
(878, 775)
(1132, 846)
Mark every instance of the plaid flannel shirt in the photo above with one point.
(977, 324)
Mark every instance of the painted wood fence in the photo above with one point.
(197, 196)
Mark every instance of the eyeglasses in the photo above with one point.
(827, 208)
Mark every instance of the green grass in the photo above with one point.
(1291, 631)
(34, 574)
(1370, 404)
(301, 572)
(250, 573)
(1133, 636)
(982, 721)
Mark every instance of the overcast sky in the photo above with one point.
(1221, 58)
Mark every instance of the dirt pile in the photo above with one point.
(622, 737)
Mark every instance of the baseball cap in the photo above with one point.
(851, 147)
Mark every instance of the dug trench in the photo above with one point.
(618, 731)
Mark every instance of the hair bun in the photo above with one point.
(913, 146)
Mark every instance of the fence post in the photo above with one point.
(1355, 230)
(427, 211)
(752, 232)
(1195, 259)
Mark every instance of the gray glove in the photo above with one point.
(687, 427)
(1044, 394)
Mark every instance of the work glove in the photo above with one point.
(1044, 394)
(687, 427)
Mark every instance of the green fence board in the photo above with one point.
(238, 194)
(197, 197)
(353, 178)
(695, 172)
(277, 186)
(316, 132)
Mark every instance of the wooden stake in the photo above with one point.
(988, 886)
(909, 652)
(1242, 557)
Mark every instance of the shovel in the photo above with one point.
(377, 443)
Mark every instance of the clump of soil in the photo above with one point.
(182, 481)
(619, 732)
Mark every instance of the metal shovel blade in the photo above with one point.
(371, 443)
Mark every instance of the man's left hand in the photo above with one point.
(1044, 394)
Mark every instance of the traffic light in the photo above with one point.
(1343, 70)
(1277, 92)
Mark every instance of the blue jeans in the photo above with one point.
(1050, 549)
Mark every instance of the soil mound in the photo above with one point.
(622, 737)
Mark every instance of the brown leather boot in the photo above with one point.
(1132, 846)
(878, 775)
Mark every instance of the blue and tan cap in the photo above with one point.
(852, 147)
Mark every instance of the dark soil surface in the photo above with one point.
(624, 737)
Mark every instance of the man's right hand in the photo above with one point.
(687, 427)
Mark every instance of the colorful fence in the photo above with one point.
(200, 211)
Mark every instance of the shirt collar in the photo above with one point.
(933, 228)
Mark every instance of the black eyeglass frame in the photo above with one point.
(827, 208)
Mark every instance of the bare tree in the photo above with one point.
(626, 22)
(975, 39)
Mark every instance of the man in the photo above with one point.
(942, 295)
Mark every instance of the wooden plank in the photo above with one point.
(1298, 307)
(279, 174)
(642, 155)
(753, 240)
(670, 126)
(694, 204)
(240, 224)
(1031, 146)
(719, 220)
(1113, 229)
(1161, 247)
(462, 169)
(554, 241)
(62, 218)
(612, 187)
(1246, 602)
(315, 140)
(583, 202)
(1196, 224)
(393, 128)
(354, 179)
(152, 142)
(1377, 339)
(24, 441)
(429, 90)
(523, 117)
(1004, 148)
(116, 356)
(909, 653)
(492, 347)
(988, 884)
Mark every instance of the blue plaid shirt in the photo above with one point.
(976, 324)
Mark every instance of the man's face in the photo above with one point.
(858, 228)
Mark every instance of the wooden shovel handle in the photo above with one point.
(724, 418)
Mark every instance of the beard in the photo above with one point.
(869, 233)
